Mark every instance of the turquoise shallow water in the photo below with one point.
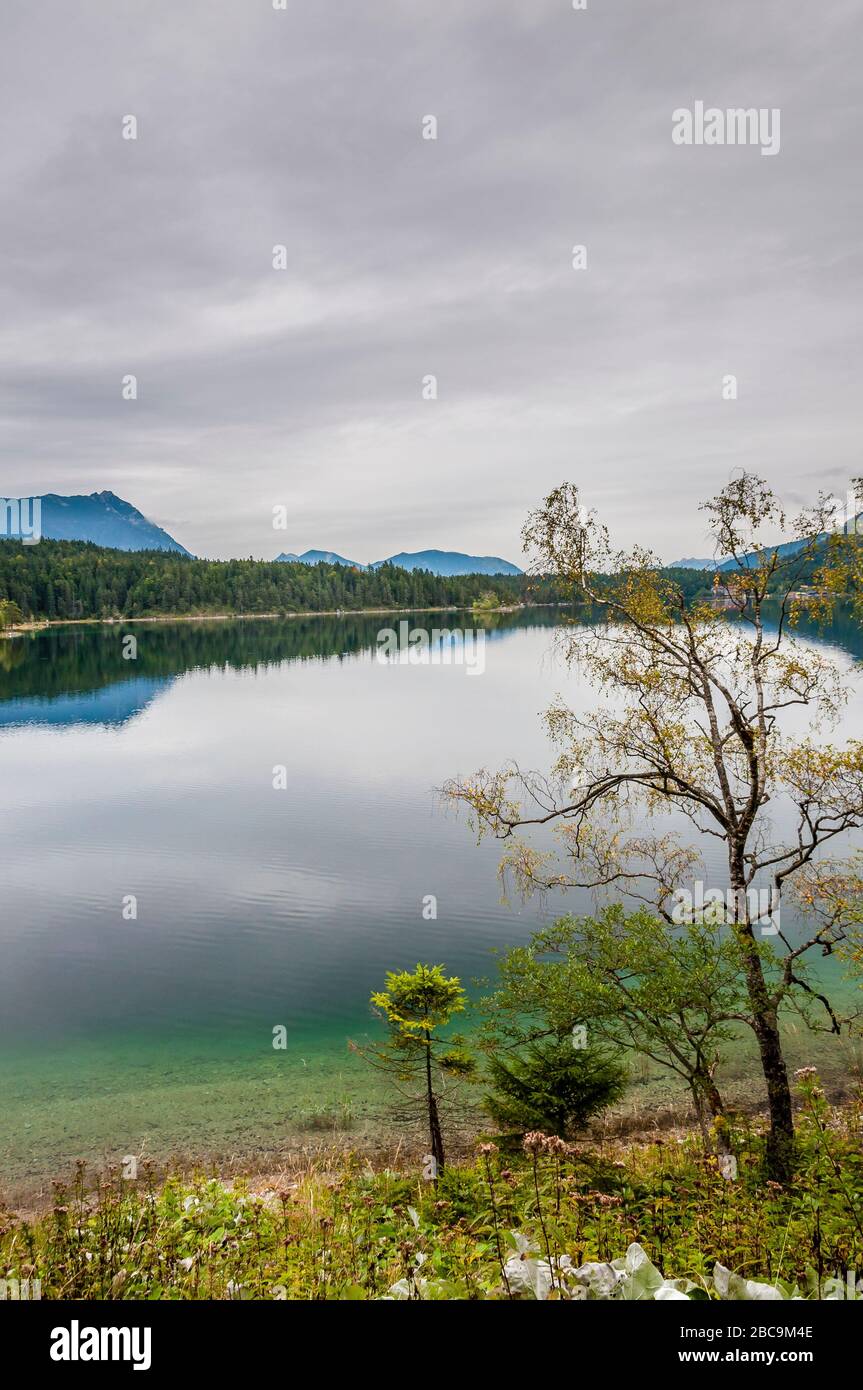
(256, 907)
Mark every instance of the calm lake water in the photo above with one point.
(256, 906)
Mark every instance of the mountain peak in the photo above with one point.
(443, 562)
(103, 518)
(318, 557)
(693, 564)
(449, 562)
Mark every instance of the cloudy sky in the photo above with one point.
(407, 257)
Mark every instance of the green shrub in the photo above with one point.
(552, 1086)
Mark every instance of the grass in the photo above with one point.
(351, 1233)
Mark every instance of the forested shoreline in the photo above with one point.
(68, 580)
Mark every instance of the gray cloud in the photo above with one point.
(408, 257)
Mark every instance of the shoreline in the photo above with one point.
(39, 625)
(382, 1144)
(381, 1148)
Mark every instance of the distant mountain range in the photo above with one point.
(318, 557)
(745, 562)
(750, 561)
(106, 519)
(449, 562)
(692, 564)
(443, 562)
(100, 517)
(784, 552)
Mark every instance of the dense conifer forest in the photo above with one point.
(73, 579)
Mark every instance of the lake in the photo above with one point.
(257, 906)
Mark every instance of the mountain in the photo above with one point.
(784, 552)
(316, 557)
(443, 562)
(449, 562)
(100, 517)
(750, 561)
(692, 564)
